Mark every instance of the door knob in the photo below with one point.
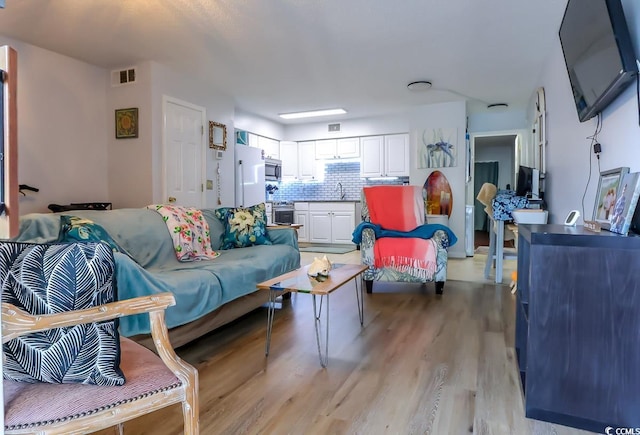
(172, 199)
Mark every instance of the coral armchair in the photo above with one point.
(396, 243)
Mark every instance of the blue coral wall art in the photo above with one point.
(437, 148)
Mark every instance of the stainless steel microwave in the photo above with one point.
(272, 169)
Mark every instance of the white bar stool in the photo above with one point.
(496, 249)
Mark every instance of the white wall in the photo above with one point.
(444, 115)
(62, 128)
(130, 167)
(511, 119)
(569, 154)
(258, 125)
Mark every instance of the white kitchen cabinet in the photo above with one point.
(372, 156)
(298, 160)
(320, 226)
(289, 157)
(348, 148)
(307, 165)
(301, 216)
(342, 226)
(331, 222)
(271, 147)
(384, 156)
(396, 154)
(345, 148)
(325, 149)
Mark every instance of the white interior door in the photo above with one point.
(184, 153)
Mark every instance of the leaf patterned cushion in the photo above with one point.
(53, 278)
(244, 226)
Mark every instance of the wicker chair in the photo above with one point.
(152, 381)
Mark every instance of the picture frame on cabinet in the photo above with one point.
(626, 202)
(606, 195)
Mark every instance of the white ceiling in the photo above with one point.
(276, 56)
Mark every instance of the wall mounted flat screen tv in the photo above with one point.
(598, 53)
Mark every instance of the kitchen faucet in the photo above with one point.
(339, 188)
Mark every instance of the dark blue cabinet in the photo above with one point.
(578, 326)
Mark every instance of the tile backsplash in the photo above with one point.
(345, 173)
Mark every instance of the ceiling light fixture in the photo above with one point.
(419, 85)
(497, 106)
(312, 113)
(424, 85)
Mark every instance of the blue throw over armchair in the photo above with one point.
(368, 234)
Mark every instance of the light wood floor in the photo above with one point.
(422, 364)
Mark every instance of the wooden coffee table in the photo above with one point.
(298, 281)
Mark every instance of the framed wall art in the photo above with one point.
(606, 195)
(438, 148)
(217, 136)
(127, 123)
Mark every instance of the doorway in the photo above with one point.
(494, 162)
(485, 172)
(184, 154)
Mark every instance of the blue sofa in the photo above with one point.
(208, 293)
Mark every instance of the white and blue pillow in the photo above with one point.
(244, 227)
(54, 278)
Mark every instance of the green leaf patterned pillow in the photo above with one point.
(244, 226)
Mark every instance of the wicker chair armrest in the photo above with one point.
(16, 322)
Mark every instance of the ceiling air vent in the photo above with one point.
(334, 127)
(123, 76)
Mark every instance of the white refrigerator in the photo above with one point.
(249, 169)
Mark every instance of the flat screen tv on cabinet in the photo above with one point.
(598, 53)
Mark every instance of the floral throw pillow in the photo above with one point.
(244, 226)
